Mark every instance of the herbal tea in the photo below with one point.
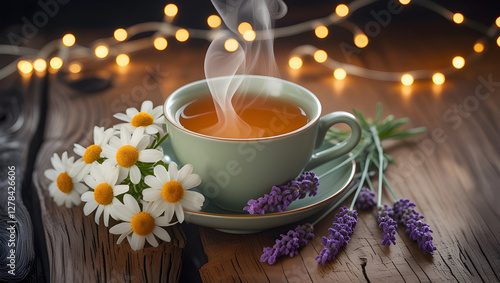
(256, 117)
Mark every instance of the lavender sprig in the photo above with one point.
(366, 199)
(385, 219)
(405, 213)
(342, 228)
(281, 197)
(288, 244)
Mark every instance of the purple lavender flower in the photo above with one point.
(342, 227)
(405, 213)
(281, 197)
(385, 219)
(288, 244)
(366, 199)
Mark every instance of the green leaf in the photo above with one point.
(385, 129)
(361, 118)
(378, 114)
(406, 133)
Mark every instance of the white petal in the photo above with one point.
(98, 213)
(151, 194)
(191, 181)
(106, 215)
(192, 201)
(114, 142)
(158, 207)
(163, 221)
(125, 135)
(152, 240)
(109, 151)
(147, 106)
(154, 182)
(150, 155)
(80, 188)
(151, 130)
(78, 149)
(89, 207)
(169, 211)
(172, 170)
(131, 204)
(179, 212)
(162, 234)
(137, 135)
(185, 171)
(162, 174)
(121, 212)
(122, 173)
(122, 117)
(137, 242)
(135, 174)
(120, 189)
(132, 111)
(120, 228)
(98, 131)
(143, 143)
(87, 196)
(156, 112)
(51, 174)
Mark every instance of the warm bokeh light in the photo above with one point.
(171, 10)
(243, 27)
(361, 40)
(438, 79)
(458, 62)
(56, 63)
(405, 2)
(320, 56)
(39, 65)
(122, 60)
(498, 22)
(407, 79)
(342, 10)
(160, 43)
(339, 74)
(295, 62)
(321, 31)
(120, 34)
(458, 18)
(75, 68)
(24, 67)
(479, 47)
(249, 35)
(101, 51)
(231, 44)
(68, 40)
(498, 41)
(182, 35)
(214, 21)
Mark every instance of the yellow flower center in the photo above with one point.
(142, 119)
(64, 183)
(127, 156)
(172, 191)
(103, 194)
(142, 223)
(92, 153)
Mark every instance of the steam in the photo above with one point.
(255, 57)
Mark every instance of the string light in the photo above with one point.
(160, 43)
(479, 47)
(320, 56)
(405, 2)
(243, 27)
(361, 40)
(498, 41)
(39, 65)
(458, 18)
(438, 79)
(56, 63)
(249, 35)
(342, 10)
(295, 62)
(231, 44)
(214, 21)
(497, 22)
(122, 60)
(321, 31)
(458, 62)
(24, 67)
(101, 51)
(75, 68)
(339, 74)
(120, 34)
(407, 79)
(171, 10)
(182, 35)
(68, 40)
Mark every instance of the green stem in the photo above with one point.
(389, 187)
(360, 185)
(354, 156)
(381, 163)
(353, 184)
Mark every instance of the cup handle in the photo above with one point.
(340, 149)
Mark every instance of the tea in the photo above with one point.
(257, 117)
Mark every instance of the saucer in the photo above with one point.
(331, 192)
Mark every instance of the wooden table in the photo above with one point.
(452, 172)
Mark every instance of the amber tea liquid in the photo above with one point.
(267, 116)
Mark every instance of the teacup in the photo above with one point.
(233, 171)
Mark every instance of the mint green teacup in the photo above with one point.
(234, 171)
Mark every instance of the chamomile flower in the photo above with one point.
(93, 152)
(65, 187)
(169, 190)
(149, 118)
(127, 150)
(139, 226)
(106, 186)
